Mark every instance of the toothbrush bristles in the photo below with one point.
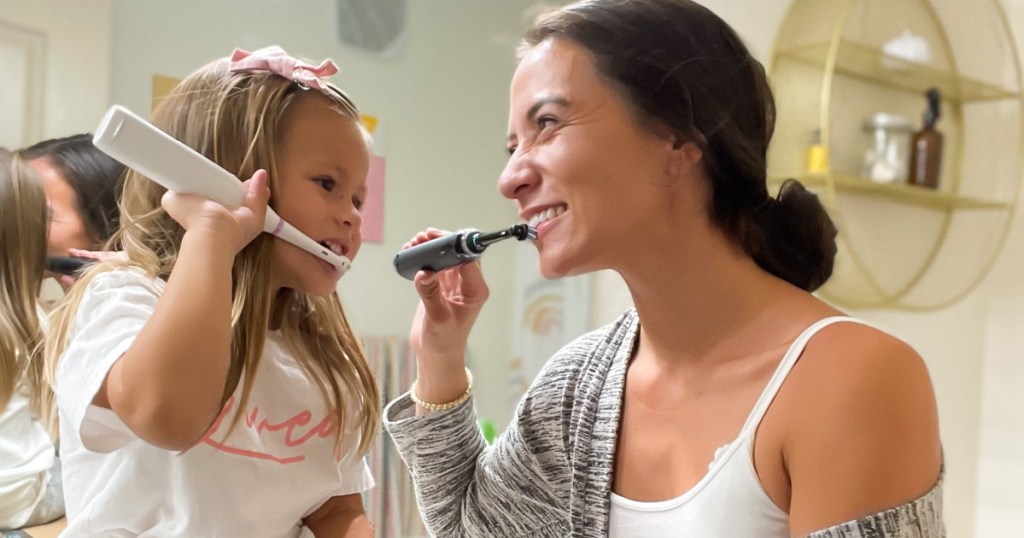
(524, 231)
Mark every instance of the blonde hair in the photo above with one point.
(23, 229)
(236, 120)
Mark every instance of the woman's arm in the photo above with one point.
(341, 517)
(520, 486)
(866, 439)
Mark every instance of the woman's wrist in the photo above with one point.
(430, 405)
(440, 385)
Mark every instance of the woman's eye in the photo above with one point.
(325, 183)
(511, 150)
(544, 121)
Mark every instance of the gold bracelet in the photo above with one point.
(445, 406)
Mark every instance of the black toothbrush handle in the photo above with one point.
(437, 254)
(66, 265)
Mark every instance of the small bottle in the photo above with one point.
(926, 147)
(817, 155)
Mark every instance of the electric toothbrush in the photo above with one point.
(66, 265)
(160, 157)
(455, 249)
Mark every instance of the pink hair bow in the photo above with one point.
(277, 61)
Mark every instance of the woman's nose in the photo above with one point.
(517, 178)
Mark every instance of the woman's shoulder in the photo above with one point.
(853, 350)
(851, 368)
(859, 411)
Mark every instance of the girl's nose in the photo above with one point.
(350, 216)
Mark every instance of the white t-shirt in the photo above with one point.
(26, 455)
(277, 466)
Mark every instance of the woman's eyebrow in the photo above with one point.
(531, 114)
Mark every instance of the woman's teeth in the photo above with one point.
(547, 214)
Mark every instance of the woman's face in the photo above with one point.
(582, 168)
(67, 226)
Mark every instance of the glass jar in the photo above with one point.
(885, 160)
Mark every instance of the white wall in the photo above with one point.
(1000, 486)
(77, 85)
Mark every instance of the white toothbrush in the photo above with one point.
(160, 157)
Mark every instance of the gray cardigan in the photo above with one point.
(550, 473)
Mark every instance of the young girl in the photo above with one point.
(210, 385)
(29, 485)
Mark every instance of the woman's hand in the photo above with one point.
(66, 281)
(236, 227)
(450, 302)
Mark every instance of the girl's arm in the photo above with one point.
(168, 385)
(341, 517)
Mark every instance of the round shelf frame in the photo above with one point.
(903, 246)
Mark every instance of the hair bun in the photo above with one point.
(800, 238)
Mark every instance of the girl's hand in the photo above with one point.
(449, 304)
(236, 227)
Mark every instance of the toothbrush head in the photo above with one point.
(523, 232)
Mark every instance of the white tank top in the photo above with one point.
(729, 500)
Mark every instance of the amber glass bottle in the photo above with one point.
(926, 147)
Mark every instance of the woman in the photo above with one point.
(730, 401)
(83, 186)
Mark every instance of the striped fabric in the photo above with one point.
(391, 505)
(919, 519)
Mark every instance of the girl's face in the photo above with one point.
(67, 226)
(320, 187)
(582, 168)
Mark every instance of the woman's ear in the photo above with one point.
(684, 156)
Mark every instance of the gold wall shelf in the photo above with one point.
(837, 63)
(873, 65)
(909, 194)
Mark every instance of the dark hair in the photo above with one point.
(682, 65)
(95, 177)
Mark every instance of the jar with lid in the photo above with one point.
(885, 160)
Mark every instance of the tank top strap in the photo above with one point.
(782, 371)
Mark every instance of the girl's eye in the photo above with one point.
(511, 150)
(357, 202)
(325, 183)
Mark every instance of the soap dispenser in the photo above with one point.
(926, 146)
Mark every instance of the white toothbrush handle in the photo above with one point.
(167, 161)
(274, 225)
